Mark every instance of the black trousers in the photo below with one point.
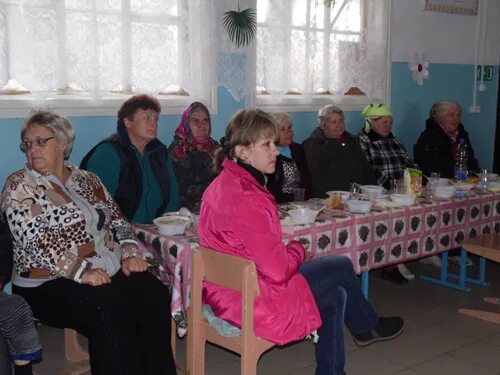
(127, 322)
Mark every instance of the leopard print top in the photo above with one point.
(60, 230)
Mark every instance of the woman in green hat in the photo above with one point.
(388, 157)
(385, 153)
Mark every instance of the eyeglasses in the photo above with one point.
(39, 142)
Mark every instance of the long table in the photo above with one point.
(382, 237)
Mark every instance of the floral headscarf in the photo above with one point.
(184, 140)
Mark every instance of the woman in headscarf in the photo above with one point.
(192, 152)
(387, 156)
(385, 152)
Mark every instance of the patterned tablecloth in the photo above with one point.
(373, 240)
(170, 260)
(397, 234)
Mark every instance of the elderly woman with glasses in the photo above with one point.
(76, 258)
(291, 165)
(334, 156)
(192, 152)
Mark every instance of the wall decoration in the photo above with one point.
(419, 68)
(240, 25)
(463, 7)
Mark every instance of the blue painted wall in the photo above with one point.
(410, 105)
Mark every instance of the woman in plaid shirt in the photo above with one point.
(387, 155)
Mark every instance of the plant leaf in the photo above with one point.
(240, 26)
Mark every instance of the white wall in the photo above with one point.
(445, 38)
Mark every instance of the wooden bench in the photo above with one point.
(486, 246)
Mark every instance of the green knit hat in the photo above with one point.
(374, 110)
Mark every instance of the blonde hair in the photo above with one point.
(245, 127)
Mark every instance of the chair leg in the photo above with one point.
(197, 357)
(481, 314)
(72, 349)
(249, 364)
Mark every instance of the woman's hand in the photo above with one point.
(95, 277)
(134, 264)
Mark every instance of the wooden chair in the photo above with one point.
(234, 273)
(487, 246)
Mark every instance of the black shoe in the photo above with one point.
(393, 276)
(386, 329)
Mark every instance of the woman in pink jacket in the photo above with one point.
(239, 217)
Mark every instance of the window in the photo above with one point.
(309, 54)
(98, 52)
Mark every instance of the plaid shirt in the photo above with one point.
(387, 156)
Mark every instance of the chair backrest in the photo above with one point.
(227, 271)
(231, 272)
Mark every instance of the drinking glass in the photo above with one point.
(396, 186)
(483, 179)
(355, 189)
(298, 194)
(434, 182)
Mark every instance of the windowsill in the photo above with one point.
(19, 106)
(300, 103)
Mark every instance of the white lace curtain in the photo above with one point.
(102, 46)
(305, 47)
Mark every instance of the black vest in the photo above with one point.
(129, 191)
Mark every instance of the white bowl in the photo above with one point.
(344, 194)
(492, 177)
(172, 225)
(463, 186)
(358, 206)
(403, 199)
(302, 216)
(493, 185)
(368, 190)
(445, 191)
(444, 181)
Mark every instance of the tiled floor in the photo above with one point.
(437, 340)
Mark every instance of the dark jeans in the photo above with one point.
(339, 298)
(127, 322)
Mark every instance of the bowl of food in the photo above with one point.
(493, 177)
(444, 192)
(345, 195)
(444, 182)
(464, 186)
(370, 190)
(359, 206)
(403, 199)
(172, 225)
(302, 216)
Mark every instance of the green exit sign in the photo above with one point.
(487, 71)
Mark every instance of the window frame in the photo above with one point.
(103, 103)
(312, 103)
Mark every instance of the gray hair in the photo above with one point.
(439, 109)
(59, 125)
(326, 112)
(280, 116)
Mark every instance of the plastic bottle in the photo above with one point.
(461, 161)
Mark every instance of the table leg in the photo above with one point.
(444, 274)
(364, 283)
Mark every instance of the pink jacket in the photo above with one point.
(239, 217)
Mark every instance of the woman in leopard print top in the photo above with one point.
(76, 258)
